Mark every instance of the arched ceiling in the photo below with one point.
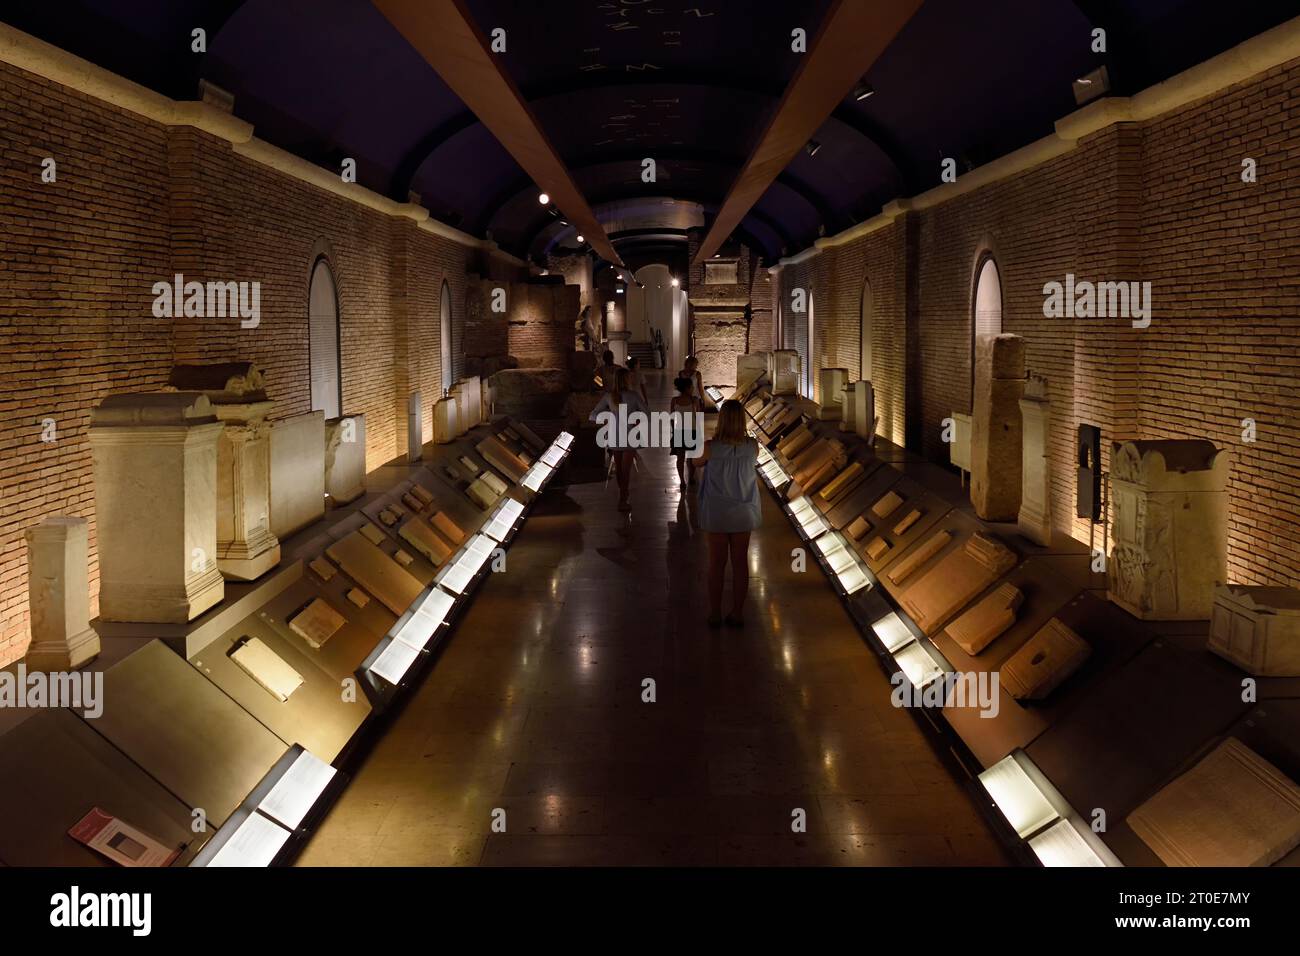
(690, 83)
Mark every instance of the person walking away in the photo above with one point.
(622, 402)
(729, 509)
(684, 406)
(691, 370)
(634, 379)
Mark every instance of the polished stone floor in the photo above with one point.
(535, 708)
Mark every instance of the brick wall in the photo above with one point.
(1160, 201)
(136, 202)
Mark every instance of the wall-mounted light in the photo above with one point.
(811, 147)
(543, 199)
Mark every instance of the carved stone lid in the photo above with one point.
(1264, 599)
(154, 408)
(222, 382)
(1197, 461)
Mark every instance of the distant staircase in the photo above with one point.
(644, 353)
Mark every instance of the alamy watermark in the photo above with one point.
(1098, 300)
(974, 689)
(82, 691)
(211, 300)
(636, 429)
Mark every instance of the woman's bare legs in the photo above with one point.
(738, 546)
(717, 568)
(623, 469)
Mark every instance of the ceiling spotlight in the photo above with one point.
(862, 91)
(543, 199)
(811, 147)
(619, 290)
(676, 282)
(581, 238)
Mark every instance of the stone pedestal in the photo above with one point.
(847, 408)
(1035, 518)
(750, 367)
(246, 548)
(831, 393)
(1170, 532)
(58, 595)
(345, 458)
(618, 345)
(155, 461)
(995, 473)
(446, 420)
(469, 402)
(864, 409)
(785, 372)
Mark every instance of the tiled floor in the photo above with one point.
(535, 708)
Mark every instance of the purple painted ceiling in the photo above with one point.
(689, 83)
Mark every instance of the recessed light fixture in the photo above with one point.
(862, 91)
(812, 146)
(581, 238)
(543, 199)
(619, 290)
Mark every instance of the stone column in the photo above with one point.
(58, 596)
(995, 480)
(155, 461)
(1035, 518)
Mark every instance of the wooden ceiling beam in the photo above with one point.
(444, 33)
(850, 39)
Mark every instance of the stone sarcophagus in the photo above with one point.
(995, 448)
(155, 459)
(1170, 528)
(1258, 629)
(784, 372)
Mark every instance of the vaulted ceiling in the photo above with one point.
(689, 83)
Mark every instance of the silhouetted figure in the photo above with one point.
(729, 509)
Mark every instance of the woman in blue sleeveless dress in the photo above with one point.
(729, 509)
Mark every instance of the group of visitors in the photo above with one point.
(729, 506)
